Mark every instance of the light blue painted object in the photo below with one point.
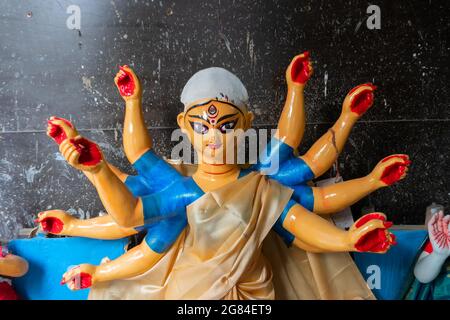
(395, 267)
(49, 259)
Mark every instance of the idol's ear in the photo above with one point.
(180, 120)
(249, 117)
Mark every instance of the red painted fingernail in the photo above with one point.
(387, 224)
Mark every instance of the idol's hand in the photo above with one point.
(56, 222)
(359, 100)
(439, 234)
(128, 84)
(370, 234)
(60, 129)
(80, 277)
(390, 170)
(82, 154)
(299, 71)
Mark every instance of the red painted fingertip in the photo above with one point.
(393, 239)
(367, 84)
(300, 71)
(52, 225)
(90, 154)
(388, 224)
(125, 82)
(362, 102)
(393, 173)
(401, 156)
(369, 217)
(374, 241)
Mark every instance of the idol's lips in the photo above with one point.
(214, 145)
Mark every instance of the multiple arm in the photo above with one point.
(136, 139)
(336, 197)
(368, 234)
(291, 124)
(132, 263)
(324, 152)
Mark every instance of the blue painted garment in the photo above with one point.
(279, 163)
(165, 193)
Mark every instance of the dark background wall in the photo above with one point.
(47, 69)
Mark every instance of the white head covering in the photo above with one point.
(215, 84)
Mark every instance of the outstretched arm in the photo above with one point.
(336, 197)
(324, 152)
(62, 223)
(291, 124)
(368, 234)
(136, 139)
(437, 251)
(133, 263)
(160, 237)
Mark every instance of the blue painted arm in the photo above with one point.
(279, 162)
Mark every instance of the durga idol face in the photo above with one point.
(213, 128)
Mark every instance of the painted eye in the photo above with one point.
(199, 127)
(227, 126)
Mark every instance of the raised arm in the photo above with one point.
(324, 152)
(437, 251)
(118, 201)
(60, 129)
(291, 125)
(136, 139)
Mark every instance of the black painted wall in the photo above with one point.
(47, 69)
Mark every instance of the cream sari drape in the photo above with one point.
(229, 252)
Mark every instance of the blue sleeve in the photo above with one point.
(166, 203)
(278, 227)
(293, 171)
(160, 236)
(138, 186)
(157, 173)
(303, 194)
(279, 162)
(270, 158)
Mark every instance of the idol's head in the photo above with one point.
(215, 114)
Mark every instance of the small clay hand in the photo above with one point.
(370, 234)
(60, 129)
(80, 277)
(390, 170)
(128, 84)
(82, 154)
(56, 222)
(300, 70)
(439, 234)
(359, 100)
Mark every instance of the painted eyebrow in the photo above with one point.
(226, 117)
(199, 117)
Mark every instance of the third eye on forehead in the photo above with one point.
(212, 120)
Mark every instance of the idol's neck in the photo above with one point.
(212, 170)
(212, 176)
